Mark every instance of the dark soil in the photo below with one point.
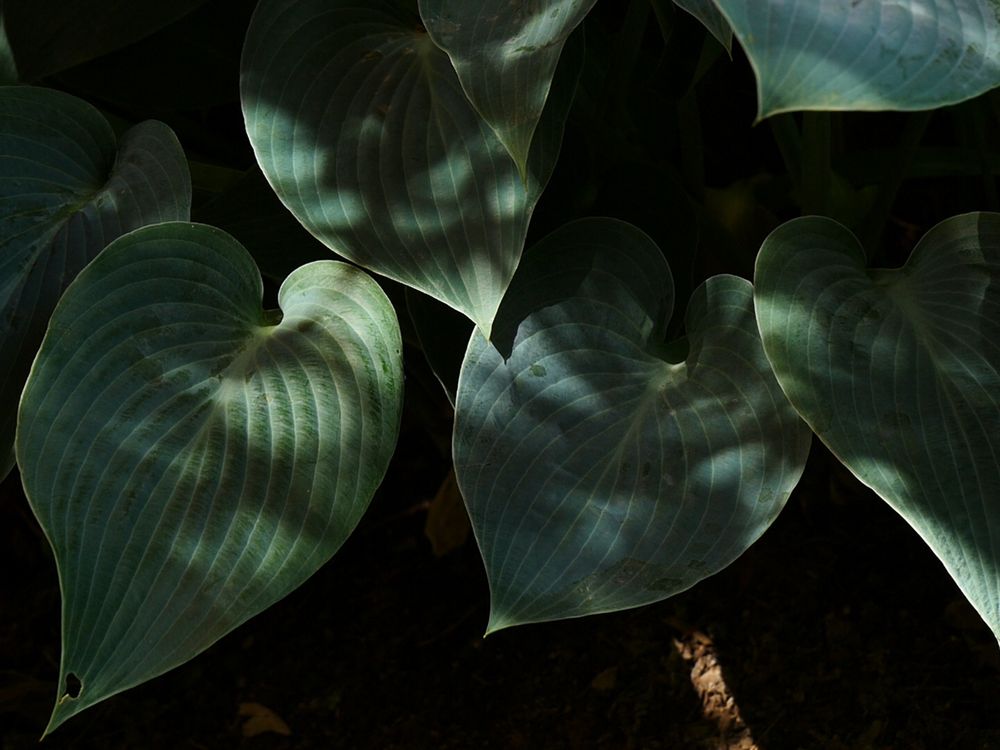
(839, 629)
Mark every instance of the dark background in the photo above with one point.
(838, 629)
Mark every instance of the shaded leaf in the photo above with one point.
(50, 35)
(871, 55)
(191, 458)
(505, 54)
(252, 213)
(190, 64)
(711, 17)
(898, 372)
(601, 469)
(443, 335)
(361, 126)
(66, 190)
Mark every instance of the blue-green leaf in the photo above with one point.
(603, 469)
(505, 54)
(360, 125)
(898, 372)
(867, 55)
(191, 457)
(66, 190)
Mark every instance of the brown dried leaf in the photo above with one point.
(447, 525)
(261, 719)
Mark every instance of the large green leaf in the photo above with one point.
(66, 190)
(191, 457)
(50, 35)
(898, 372)
(505, 54)
(601, 470)
(867, 55)
(361, 126)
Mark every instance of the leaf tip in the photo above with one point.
(68, 703)
(497, 622)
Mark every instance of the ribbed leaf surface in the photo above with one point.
(361, 126)
(867, 54)
(190, 458)
(898, 372)
(598, 474)
(505, 55)
(66, 190)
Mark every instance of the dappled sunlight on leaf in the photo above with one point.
(192, 458)
(505, 54)
(598, 475)
(361, 126)
(898, 372)
(844, 54)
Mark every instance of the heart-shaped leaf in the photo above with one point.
(711, 17)
(191, 458)
(67, 190)
(898, 372)
(869, 55)
(361, 126)
(505, 55)
(599, 472)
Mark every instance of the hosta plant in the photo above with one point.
(634, 401)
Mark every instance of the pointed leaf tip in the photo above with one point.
(599, 476)
(898, 372)
(362, 127)
(191, 459)
(505, 55)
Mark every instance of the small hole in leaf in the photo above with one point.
(73, 686)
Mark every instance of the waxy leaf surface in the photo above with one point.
(505, 54)
(66, 190)
(599, 474)
(898, 372)
(360, 125)
(868, 55)
(191, 458)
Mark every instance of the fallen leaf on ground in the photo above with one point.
(260, 719)
(447, 525)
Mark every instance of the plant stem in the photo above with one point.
(816, 176)
(909, 139)
(786, 136)
(980, 127)
(623, 60)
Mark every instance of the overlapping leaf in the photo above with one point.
(66, 190)
(50, 35)
(361, 126)
(505, 54)
(869, 55)
(599, 473)
(191, 458)
(898, 372)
